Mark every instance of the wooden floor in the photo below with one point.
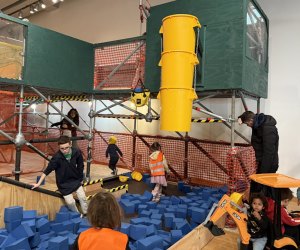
(228, 241)
(32, 166)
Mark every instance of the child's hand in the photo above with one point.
(256, 215)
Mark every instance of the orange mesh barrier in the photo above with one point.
(7, 104)
(109, 57)
(207, 163)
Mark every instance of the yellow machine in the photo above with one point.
(231, 205)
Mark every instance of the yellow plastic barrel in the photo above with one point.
(178, 32)
(177, 69)
(176, 108)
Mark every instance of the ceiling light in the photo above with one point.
(20, 15)
(54, 1)
(42, 4)
(31, 9)
(36, 8)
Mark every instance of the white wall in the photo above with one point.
(98, 21)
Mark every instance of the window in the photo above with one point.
(257, 35)
(11, 49)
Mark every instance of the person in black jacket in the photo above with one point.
(264, 141)
(66, 127)
(68, 166)
(258, 222)
(114, 154)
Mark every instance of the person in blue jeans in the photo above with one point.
(114, 154)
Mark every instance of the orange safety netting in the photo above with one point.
(109, 57)
(199, 162)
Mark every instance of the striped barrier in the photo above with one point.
(112, 190)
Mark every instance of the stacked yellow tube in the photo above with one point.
(178, 60)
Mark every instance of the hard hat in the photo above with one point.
(136, 176)
(112, 140)
(123, 178)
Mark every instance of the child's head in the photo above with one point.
(104, 211)
(286, 196)
(155, 147)
(258, 202)
(112, 140)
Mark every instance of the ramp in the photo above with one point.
(202, 239)
(14, 193)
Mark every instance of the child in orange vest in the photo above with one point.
(158, 166)
(104, 215)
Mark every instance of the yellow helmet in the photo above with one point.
(136, 176)
(112, 140)
(123, 178)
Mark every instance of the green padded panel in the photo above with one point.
(225, 65)
(57, 61)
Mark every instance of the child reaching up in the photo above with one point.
(258, 221)
(105, 216)
(158, 166)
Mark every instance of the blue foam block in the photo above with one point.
(141, 208)
(184, 226)
(198, 215)
(2, 239)
(35, 240)
(3, 231)
(156, 216)
(181, 212)
(168, 219)
(74, 215)
(128, 207)
(136, 221)
(151, 230)
(161, 208)
(19, 244)
(13, 214)
(58, 243)
(22, 231)
(150, 243)
(125, 228)
(151, 204)
(76, 222)
(64, 209)
(156, 223)
(145, 213)
(45, 216)
(29, 214)
(175, 200)
(175, 236)
(30, 223)
(62, 216)
(148, 195)
(57, 227)
(180, 185)
(69, 225)
(42, 226)
(138, 232)
(176, 221)
(10, 226)
(145, 176)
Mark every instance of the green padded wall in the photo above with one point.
(57, 61)
(224, 64)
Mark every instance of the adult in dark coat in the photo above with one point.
(264, 140)
(68, 166)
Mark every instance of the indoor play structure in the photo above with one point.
(223, 55)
